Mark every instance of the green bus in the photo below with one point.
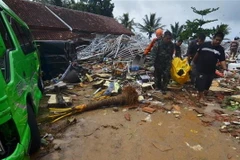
(20, 88)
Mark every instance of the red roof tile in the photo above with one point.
(88, 22)
(53, 35)
(35, 14)
(46, 26)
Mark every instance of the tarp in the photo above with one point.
(180, 70)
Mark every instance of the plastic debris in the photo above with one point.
(196, 147)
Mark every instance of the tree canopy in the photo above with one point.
(176, 30)
(126, 22)
(194, 27)
(101, 7)
(150, 24)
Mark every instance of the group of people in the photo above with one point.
(203, 57)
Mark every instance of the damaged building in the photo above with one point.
(62, 31)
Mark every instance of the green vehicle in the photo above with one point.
(20, 88)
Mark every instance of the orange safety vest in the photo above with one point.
(149, 47)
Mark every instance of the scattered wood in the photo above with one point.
(129, 96)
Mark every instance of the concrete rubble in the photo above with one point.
(108, 61)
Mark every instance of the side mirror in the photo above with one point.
(2, 47)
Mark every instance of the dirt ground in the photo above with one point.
(105, 134)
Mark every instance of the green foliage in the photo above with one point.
(101, 7)
(126, 22)
(201, 22)
(231, 103)
(57, 2)
(222, 27)
(150, 24)
(194, 27)
(78, 6)
(205, 11)
(176, 30)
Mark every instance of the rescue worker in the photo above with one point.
(163, 51)
(159, 33)
(234, 48)
(206, 58)
(194, 45)
(177, 49)
(192, 50)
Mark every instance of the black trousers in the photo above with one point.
(204, 81)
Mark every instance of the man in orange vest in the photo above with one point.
(159, 33)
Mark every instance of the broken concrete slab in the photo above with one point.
(220, 89)
(167, 107)
(148, 85)
(53, 102)
(208, 120)
(236, 97)
(158, 96)
(199, 110)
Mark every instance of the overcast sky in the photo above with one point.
(173, 11)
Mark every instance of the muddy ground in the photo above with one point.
(105, 134)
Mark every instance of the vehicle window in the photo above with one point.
(4, 64)
(23, 35)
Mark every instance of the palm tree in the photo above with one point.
(126, 22)
(223, 28)
(151, 23)
(176, 30)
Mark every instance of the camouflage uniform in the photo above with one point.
(162, 57)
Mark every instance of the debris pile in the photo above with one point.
(115, 47)
(230, 123)
(106, 68)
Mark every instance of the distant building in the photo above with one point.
(49, 22)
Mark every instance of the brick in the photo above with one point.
(148, 110)
(127, 117)
(176, 107)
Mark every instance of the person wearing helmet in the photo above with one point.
(234, 48)
(163, 50)
(159, 33)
